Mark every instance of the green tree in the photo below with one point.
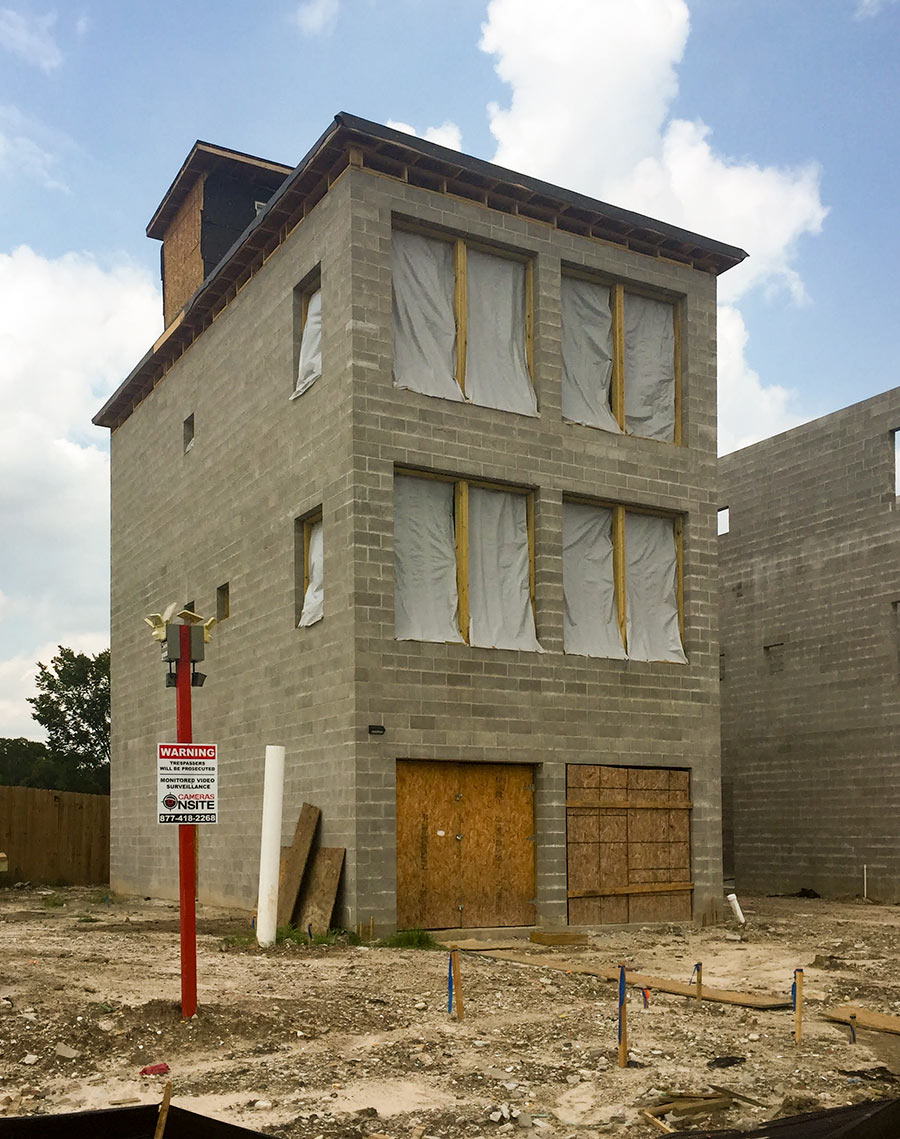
(18, 760)
(72, 705)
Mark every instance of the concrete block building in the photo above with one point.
(437, 443)
(810, 643)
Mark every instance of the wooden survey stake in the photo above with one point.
(457, 984)
(798, 1005)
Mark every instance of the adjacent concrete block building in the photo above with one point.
(810, 643)
(437, 441)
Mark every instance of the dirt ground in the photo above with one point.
(355, 1040)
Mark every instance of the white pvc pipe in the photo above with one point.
(270, 846)
(736, 908)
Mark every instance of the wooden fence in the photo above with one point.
(56, 837)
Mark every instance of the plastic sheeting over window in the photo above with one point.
(424, 317)
(590, 615)
(649, 368)
(587, 353)
(310, 367)
(313, 598)
(651, 600)
(496, 362)
(500, 613)
(425, 592)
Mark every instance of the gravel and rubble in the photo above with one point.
(343, 1040)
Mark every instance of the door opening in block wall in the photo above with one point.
(465, 845)
(628, 842)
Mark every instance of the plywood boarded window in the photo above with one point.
(464, 563)
(465, 845)
(628, 839)
(622, 583)
(621, 355)
(462, 320)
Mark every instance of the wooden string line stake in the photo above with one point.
(852, 1027)
(623, 1020)
(699, 968)
(457, 983)
(798, 1005)
(372, 927)
(163, 1112)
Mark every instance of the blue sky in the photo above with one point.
(771, 124)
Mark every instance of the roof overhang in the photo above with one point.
(351, 141)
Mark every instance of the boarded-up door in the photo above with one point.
(465, 845)
(628, 834)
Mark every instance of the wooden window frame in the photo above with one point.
(618, 379)
(617, 536)
(461, 532)
(461, 291)
(302, 534)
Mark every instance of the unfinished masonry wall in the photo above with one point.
(457, 702)
(810, 580)
(186, 523)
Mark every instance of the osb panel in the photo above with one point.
(486, 876)
(583, 865)
(659, 907)
(612, 826)
(613, 866)
(613, 777)
(614, 911)
(647, 856)
(648, 825)
(585, 911)
(680, 826)
(680, 785)
(648, 779)
(182, 259)
(582, 825)
(497, 824)
(680, 856)
(580, 775)
(640, 876)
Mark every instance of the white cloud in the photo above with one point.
(72, 330)
(589, 109)
(29, 150)
(865, 9)
(748, 409)
(30, 37)
(317, 17)
(447, 134)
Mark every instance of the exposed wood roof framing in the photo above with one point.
(389, 153)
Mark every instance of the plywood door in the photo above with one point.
(628, 838)
(465, 845)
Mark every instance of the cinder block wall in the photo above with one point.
(810, 578)
(455, 702)
(184, 524)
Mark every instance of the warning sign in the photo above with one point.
(188, 783)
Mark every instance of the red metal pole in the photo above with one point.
(186, 836)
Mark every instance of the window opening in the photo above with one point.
(621, 356)
(223, 602)
(308, 317)
(464, 558)
(310, 569)
(723, 520)
(622, 583)
(896, 435)
(188, 433)
(462, 322)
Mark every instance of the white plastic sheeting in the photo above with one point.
(424, 319)
(496, 362)
(651, 600)
(649, 368)
(587, 354)
(590, 615)
(500, 613)
(313, 599)
(310, 367)
(425, 594)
